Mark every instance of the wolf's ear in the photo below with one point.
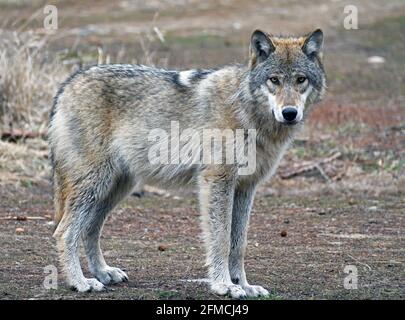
(260, 46)
(313, 44)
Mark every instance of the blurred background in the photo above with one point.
(347, 164)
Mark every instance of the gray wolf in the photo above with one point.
(99, 148)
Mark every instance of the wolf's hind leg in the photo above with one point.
(67, 236)
(91, 234)
(243, 201)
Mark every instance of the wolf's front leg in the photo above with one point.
(243, 201)
(216, 200)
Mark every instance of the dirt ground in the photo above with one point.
(323, 235)
(338, 198)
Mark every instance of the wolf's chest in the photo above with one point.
(266, 160)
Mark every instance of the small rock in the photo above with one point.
(19, 230)
(376, 60)
(351, 201)
(162, 247)
(237, 25)
(392, 263)
(283, 233)
(256, 244)
(372, 208)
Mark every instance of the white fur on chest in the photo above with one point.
(268, 157)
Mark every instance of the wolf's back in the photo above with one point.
(95, 105)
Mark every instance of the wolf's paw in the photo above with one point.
(88, 285)
(110, 275)
(255, 291)
(233, 290)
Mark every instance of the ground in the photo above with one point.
(337, 199)
(298, 247)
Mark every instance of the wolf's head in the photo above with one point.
(286, 74)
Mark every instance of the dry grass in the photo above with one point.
(29, 77)
(30, 74)
(23, 163)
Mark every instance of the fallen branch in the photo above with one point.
(309, 166)
(16, 135)
(323, 174)
(358, 261)
(22, 218)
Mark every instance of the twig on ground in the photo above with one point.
(309, 166)
(22, 218)
(323, 174)
(358, 261)
(16, 135)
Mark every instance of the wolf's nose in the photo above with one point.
(289, 113)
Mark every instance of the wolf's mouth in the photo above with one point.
(290, 123)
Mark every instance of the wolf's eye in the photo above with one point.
(301, 79)
(275, 80)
